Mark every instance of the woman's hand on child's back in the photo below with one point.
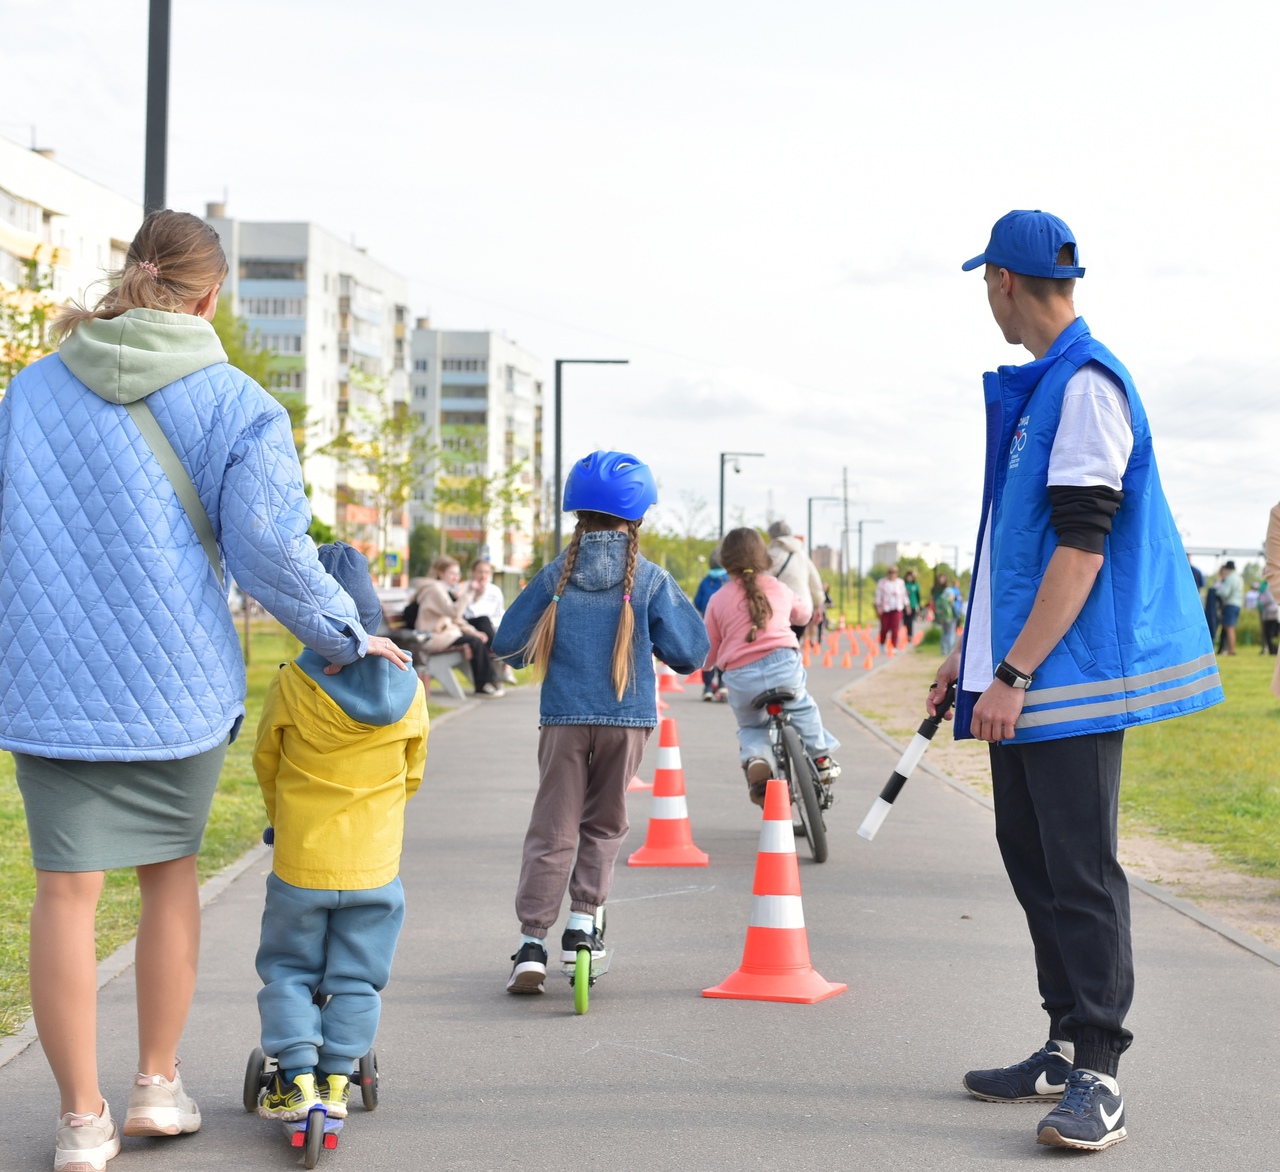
(382, 647)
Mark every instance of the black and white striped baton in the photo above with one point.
(905, 767)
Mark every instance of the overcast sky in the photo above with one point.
(764, 207)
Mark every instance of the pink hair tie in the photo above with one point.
(626, 598)
(147, 267)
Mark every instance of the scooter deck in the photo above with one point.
(598, 967)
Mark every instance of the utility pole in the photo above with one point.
(559, 479)
(153, 185)
(808, 533)
(844, 545)
(860, 525)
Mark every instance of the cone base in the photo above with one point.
(798, 986)
(679, 856)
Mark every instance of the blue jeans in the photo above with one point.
(778, 669)
(948, 628)
(339, 943)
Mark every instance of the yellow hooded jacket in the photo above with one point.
(335, 789)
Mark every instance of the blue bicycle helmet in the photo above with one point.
(610, 482)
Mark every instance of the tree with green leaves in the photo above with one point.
(26, 314)
(385, 455)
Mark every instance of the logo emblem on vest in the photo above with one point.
(1018, 442)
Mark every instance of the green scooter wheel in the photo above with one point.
(582, 980)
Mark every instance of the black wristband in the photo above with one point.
(1006, 673)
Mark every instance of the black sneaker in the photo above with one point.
(1090, 1116)
(1042, 1078)
(573, 938)
(529, 973)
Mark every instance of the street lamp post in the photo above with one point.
(153, 184)
(559, 482)
(734, 456)
(808, 533)
(860, 525)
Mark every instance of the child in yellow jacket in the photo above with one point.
(337, 758)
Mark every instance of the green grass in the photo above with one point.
(235, 824)
(1212, 778)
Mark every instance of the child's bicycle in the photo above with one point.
(809, 796)
(584, 972)
(318, 1130)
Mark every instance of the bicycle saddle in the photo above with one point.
(774, 696)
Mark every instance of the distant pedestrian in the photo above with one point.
(1083, 622)
(789, 563)
(913, 601)
(337, 757)
(712, 678)
(1272, 573)
(1231, 600)
(891, 602)
(439, 617)
(485, 609)
(946, 611)
(752, 623)
(591, 622)
(137, 468)
(1269, 614)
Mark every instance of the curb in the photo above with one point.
(1154, 890)
(112, 966)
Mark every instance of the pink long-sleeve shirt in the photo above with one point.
(729, 623)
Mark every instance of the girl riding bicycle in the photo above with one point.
(749, 621)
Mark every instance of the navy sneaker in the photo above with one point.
(574, 938)
(529, 973)
(1090, 1116)
(1042, 1078)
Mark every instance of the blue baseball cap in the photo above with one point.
(1028, 243)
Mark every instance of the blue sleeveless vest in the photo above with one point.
(1140, 649)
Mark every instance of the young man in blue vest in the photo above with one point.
(1083, 621)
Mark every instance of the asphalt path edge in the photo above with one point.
(110, 967)
(1154, 890)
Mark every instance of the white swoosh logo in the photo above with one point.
(1110, 1120)
(1045, 1087)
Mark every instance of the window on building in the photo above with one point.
(419, 364)
(283, 343)
(419, 391)
(462, 418)
(290, 380)
(466, 392)
(467, 364)
(273, 270)
(273, 306)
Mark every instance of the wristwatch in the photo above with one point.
(1006, 673)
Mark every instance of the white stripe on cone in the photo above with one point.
(669, 757)
(666, 808)
(777, 838)
(776, 911)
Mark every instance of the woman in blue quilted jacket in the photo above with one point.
(136, 468)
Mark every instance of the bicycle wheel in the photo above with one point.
(806, 783)
(581, 981)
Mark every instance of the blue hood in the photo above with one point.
(371, 690)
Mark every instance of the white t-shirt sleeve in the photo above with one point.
(1095, 432)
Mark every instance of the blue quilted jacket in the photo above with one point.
(116, 643)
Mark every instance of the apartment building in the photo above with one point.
(76, 229)
(889, 553)
(336, 322)
(480, 397)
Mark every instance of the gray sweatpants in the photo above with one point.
(582, 803)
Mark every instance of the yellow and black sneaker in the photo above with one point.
(289, 1100)
(335, 1089)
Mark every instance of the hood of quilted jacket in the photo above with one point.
(126, 358)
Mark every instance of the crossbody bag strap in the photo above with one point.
(178, 476)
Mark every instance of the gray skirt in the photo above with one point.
(96, 815)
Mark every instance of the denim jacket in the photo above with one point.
(578, 688)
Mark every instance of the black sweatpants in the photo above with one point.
(1056, 813)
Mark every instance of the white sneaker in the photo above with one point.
(85, 1142)
(160, 1107)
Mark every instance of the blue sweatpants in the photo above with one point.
(339, 943)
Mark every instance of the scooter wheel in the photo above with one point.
(253, 1079)
(582, 981)
(369, 1080)
(315, 1139)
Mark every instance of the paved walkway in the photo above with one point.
(921, 924)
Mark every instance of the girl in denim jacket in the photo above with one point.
(590, 622)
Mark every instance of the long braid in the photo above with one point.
(624, 653)
(743, 555)
(538, 649)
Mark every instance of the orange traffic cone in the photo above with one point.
(902, 638)
(804, 656)
(866, 663)
(888, 648)
(775, 962)
(669, 842)
(826, 659)
(847, 661)
(916, 638)
(668, 681)
(694, 677)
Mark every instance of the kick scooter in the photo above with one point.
(584, 972)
